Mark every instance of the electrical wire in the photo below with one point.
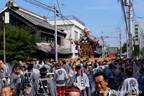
(62, 18)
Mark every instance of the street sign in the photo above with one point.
(52, 50)
(52, 44)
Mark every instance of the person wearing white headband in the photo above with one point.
(129, 87)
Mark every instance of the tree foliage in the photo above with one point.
(20, 44)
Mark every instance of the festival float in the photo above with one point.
(86, 45)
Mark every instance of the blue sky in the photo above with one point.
(98, 15)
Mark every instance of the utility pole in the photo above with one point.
(6, 20)
(128, 4)
(102, 45)
(127, 44)
(4, 40)
(56, 53)
(120, 42)
(130, 31)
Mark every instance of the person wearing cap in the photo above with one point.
(80, 80)
(44, 85)
(15, 80)
(61, 79)
(28, 80)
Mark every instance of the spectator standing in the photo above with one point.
(61, 79)
(45, 86)
(130, 87)
(15, 81)
(141, 82)
(29, 78)
(4, 74)
(1, 85)
(120, 77)
(111, 74)
(80, 80)
(101, 83)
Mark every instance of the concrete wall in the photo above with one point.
(141, 37)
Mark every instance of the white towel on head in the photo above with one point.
(129, 85)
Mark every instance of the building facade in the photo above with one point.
(73, 27)
(136, 41)
(40, 27)
(113, 50)
(140, 30)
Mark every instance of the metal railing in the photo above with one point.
(67, 18)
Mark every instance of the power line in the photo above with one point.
(62, 18)
(37, 3)
(51, 5)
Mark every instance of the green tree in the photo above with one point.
(136, 50)
(124, 48)
(20, 44)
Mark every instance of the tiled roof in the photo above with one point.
(35, 19)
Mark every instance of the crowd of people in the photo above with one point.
(114, 77)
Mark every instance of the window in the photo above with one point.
(50, 39)
(136, 32)
(136, 25)
(43, 38)
(136, 28)
(136, 35)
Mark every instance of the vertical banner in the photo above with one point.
(6, 20)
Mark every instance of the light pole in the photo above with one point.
(56, 53)
(4, 39)
(6, 20)
(102, 45)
